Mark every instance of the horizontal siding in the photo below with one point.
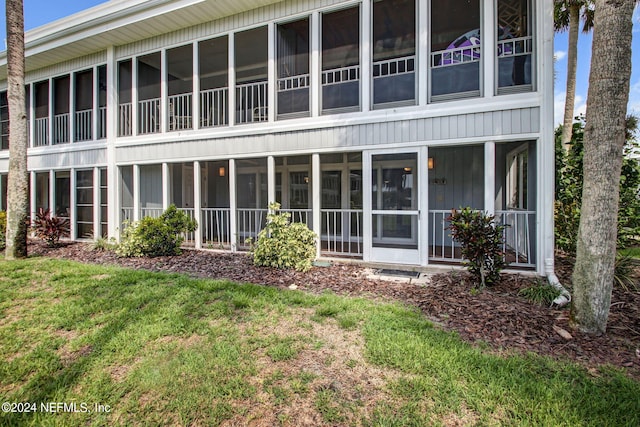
(67, 67)
(246, 19)
(66, 160)
(436, 129)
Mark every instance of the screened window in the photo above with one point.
(341, 60)
(62, 194)
(125, 78)
(149, 76)
(104, 231)
(214, 80)
(251, 55)
(61, 109)
(394, 52)
(515, 46)
(293, 69)
(455, 49)
(84, 204)
(102, 101)
(83, 101)
(180, 87)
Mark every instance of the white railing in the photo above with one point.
(517, 236)
(213, 107)
(216, 227)
(341, 75)
(460, 55)
(249, 222)
(125, 125)
(180, 112)
(83, 125)
(150, 212)
(299, 215)
(441, 244)
(189, 237)
(126, 214)
(41, 132)
(251, 102)
(149, 116)
(393, 67)
(61, 128)
(102, 122)
(515, 47)
(341, 232)
(294, 82)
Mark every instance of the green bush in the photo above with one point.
(482, 240)
(156, 236)
(50, 228)
(283, 244)
(541, 293)
(3, 230)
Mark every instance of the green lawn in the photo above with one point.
(159, 349)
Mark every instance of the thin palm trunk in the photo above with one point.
(604, 138)
(18, 182)
(572, 62)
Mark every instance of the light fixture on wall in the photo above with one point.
(407, 169)
(306, 179)
(221, 171)
(431, 163)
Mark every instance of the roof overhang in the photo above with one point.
(119, 22)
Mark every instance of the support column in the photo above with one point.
(50, 113)
(136, 193)
(232, 82)
(314, 70)
(197, 202)
(271, 76)
(195, 99)
(365, 55)
(134, 96)
(31, 117)
(233, 205)
(32, 197)
(164, 100)
(490, 177)
(367, 185)
(316, 184)
(73, 229)
(52, 192)
(423, 53)
(271, 180)
(113, 174)
(95, 107)
(97, 233)
(2, 183)
(166, 186)
(72, 108)
(489, 39)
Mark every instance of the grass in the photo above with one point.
(163, 349)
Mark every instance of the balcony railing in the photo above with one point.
(249, 222)
(102, 122)
(341, 75)
(460, 55)
(125, 125)
(342, 232)
(189, 237)
(251, 103)
(149, 116)
(293, 83)
(61, 128)
(83, 125)
(216, 227)
(41, 132)
(180, 112)
(393, 67)
(515, 47)
(213, 107)
(150, 212)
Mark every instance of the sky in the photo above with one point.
(40, 12)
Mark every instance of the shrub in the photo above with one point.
(156, 236)
(50, 228)
(3, 229)
(103, 244)
(540, 293)
(481, 239)
(283, 244)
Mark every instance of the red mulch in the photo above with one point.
(496, 315)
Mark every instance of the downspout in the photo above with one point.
(565, 297)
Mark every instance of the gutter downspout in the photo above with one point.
(565, 297)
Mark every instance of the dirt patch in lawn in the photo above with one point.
(496, 316)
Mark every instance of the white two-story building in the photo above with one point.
(369, 120)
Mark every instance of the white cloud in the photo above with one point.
(559, 55)
(580, 107)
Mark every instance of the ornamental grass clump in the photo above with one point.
(482, 241)
(283, 244)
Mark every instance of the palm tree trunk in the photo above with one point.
(604, 138)
(18, 182)
(572, 62)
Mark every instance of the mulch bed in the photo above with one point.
(496, 316)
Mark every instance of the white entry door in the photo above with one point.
(392, 206)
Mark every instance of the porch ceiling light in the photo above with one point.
(431, 163)
(407, 169)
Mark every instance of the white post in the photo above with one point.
(136, 193)
(314, 69)
(423, 205)
(95, 107)
(52, 192)
(31, 116)
(113, 174)
(2, 207)
(489, 38)
(72, 108)
(423, 52)
(271, 74)
(166, 186)
(271, 180)
(233, 205)
(366, 206)
(97, 229)
(73, 229)
(195, 99)
(490, 177)
(32, 196)
(51, 112)
(164, 102)
(316, 184)
(365, 55)
(231, 113)
(197, 202)
(134, 96)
